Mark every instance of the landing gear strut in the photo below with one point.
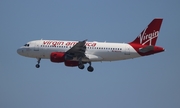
(90, 68)
(37, 65)
(81, 65)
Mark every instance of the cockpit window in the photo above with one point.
(26, 45)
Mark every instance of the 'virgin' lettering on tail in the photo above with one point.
(144, 38)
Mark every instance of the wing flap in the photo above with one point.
(91, 57)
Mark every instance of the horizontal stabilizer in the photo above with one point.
(146, 49)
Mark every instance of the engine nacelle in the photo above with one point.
(57, 57)
(71, 63)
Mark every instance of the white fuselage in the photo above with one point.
(95, 51)
(78, 53)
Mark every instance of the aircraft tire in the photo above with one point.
(37, 65)
(81, 66)
(90, 69)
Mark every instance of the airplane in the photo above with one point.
(79, 53)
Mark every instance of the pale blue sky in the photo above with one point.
(147, 82)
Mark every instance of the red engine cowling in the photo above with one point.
(57, 57)
(71, 63)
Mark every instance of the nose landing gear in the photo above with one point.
(37, 65)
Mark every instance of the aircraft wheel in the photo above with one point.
(81, 66)
(90, 69)
(37, 65)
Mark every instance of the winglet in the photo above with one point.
(83, 40)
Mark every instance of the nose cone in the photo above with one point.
(20, 51)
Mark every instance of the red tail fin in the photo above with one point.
(149, 35)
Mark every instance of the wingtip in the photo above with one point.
(85, 40)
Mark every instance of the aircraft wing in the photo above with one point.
(77, 50)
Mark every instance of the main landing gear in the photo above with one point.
(37, 65)
(90, 68)
(81, 66)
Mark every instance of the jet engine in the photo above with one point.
(57, 57)
(71, 63)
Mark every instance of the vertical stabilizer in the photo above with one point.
(150, 34)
